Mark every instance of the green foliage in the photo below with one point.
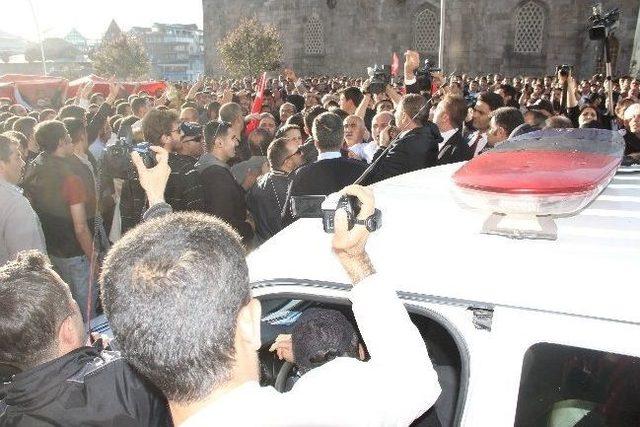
(124, 56)
(250, 48)
(54, 49)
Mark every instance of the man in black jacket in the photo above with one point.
(449, 117)
(417, 146)
(267, 197)
(331, 172)
(223, 196)
(52, 379)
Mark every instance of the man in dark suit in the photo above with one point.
(331, 172)
(417, 146)
(449, 117)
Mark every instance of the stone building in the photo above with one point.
(507, 36)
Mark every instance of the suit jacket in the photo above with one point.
(456, 149)
(322, 178)
(417, 149)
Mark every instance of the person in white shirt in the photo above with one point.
(176, 293)
(486, 103)
(355, 137)
(20, 227)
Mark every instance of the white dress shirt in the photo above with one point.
(346, 391)
(329, 155)
(482, 141)
(365, 150)
(446, 136)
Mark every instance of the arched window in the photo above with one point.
(426, 32)
(530, 19)
(314, 36)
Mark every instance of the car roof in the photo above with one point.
(430, 244)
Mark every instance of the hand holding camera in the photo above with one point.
(349, 243)
(153, 179)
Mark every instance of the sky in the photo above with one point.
(91, 17)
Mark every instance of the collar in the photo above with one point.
(208, 159)
(446, 135)
(10, 186)
(329, 155)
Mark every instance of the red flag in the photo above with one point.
(256, 107)
(395, 64)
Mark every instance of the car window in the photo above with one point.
(563, 386)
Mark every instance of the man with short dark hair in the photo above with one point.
(266, 199)
(19, 225)
(417, 145)
(223, 196)
(232, 113)
(350, 98)
(64, 204)
(331, 172)
(58, 380)
(449, 117)
(26, 126)
(485, 104)
(140, 107)
(503, 121)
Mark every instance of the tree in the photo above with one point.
(250, 48)
(54, 49)
(124, 56)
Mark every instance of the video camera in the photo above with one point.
(423, 76)
(117, 158)
(380, 78)
(602, 24)
(564, 70)
(325, 207)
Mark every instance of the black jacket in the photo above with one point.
(322, 178)
(632, 143)
(224, 198)
(265, 201)
(456, 149)
(84, 387)
(417, 149)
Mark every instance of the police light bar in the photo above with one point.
(527, 180)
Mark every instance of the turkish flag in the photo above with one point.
(256, 107)
(395, 64)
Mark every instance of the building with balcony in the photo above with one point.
(176, 51)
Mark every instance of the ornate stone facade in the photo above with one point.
(507, 36)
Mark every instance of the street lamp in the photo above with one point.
(35, 21)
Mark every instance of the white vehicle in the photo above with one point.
(522, 332)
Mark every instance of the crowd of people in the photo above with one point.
(227, 157)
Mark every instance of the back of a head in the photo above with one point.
(493, 100)
(320, 335)
(172, 289)
(49, 133)
(297, 100)
(456, 108)
(75, 128)
(17, 137)
(230, 112)
(72, 111)
(311, 114)
(328, 132)
(157, 123)
(412, 104)
(277, 153)
(508, 118)
(353, 94)
(25, 125)
(558, 122)
(138, 105)
(34, 301)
